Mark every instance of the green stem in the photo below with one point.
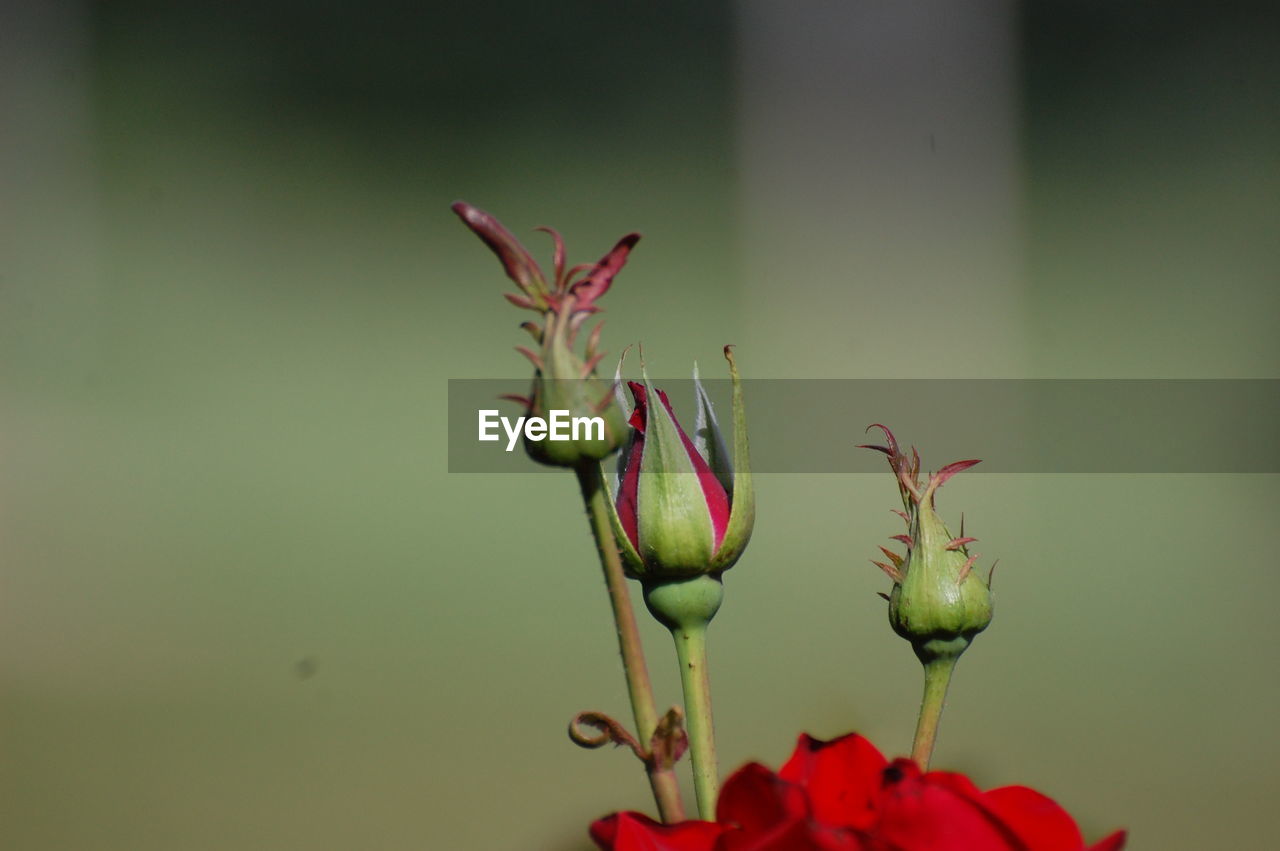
(691, 650)
(666, 788)
(686, 606)
(937, 676)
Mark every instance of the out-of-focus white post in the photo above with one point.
(879, 171)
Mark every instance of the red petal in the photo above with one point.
(1035, 819)
(638, 832)
(629, 489)
(1114, 842)
(757, 800)
(639, 416)
(957, 783)
(937, 812)
(842, 777)
(762, 812)
(797, 835)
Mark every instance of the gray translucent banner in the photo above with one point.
(1014, 426)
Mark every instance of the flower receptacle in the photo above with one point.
(684, 604)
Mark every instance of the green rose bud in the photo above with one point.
(938, 602)
(563, 381)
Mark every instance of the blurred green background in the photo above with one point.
(244, 606)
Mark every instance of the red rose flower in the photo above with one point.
(843, 795)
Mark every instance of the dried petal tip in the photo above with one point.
(890, 449)
(596, 283)
(937, 479)
(516, 260)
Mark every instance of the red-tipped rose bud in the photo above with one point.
(709, 499)
(683, 508)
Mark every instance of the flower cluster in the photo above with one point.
(678, 514)
(843, 795)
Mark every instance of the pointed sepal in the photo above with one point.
(707, 438)
(742, 516)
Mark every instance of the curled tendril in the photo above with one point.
(607, 731)
(670, 741)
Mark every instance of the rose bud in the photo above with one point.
(562, 380)
(938, 602)
(683, 507)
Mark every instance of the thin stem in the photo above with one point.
(691, 650)
(666, 788)
(937, 676)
